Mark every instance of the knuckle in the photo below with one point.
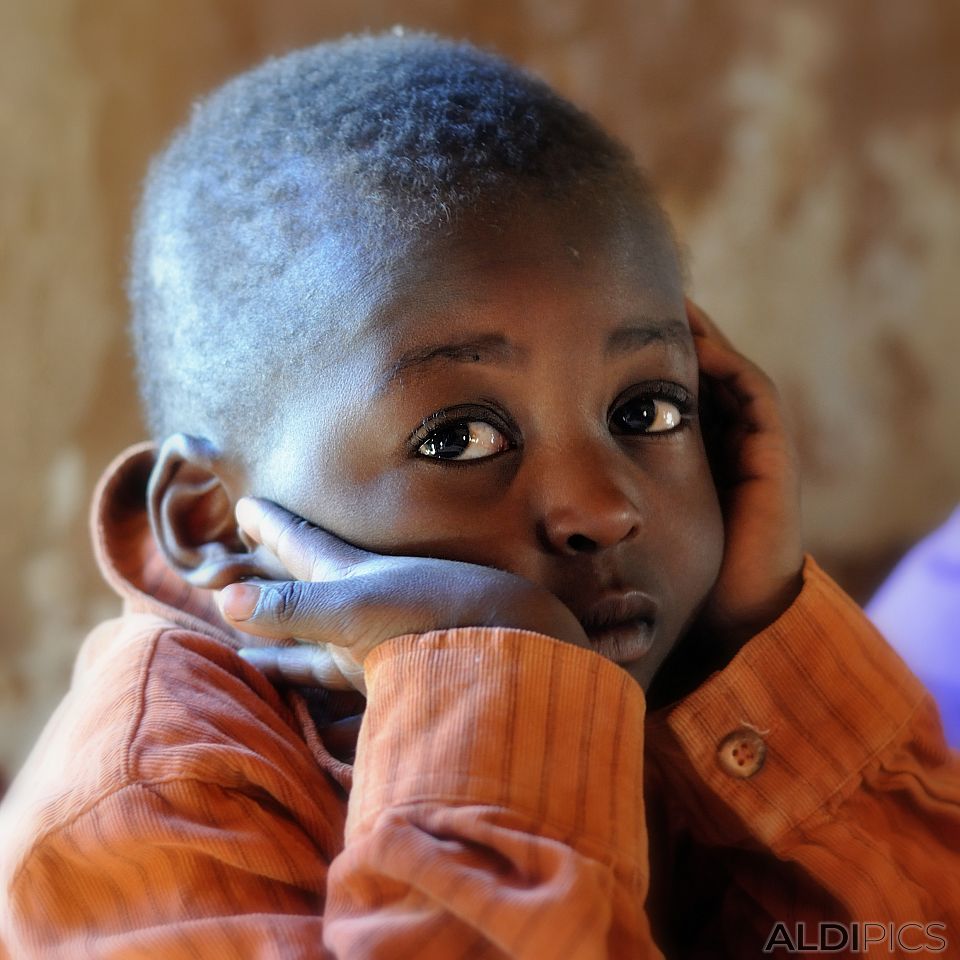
(289, 533)
(280, 604)
(355, 567)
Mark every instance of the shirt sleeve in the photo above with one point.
(174, 870)
(169, 810)
(497, 807)
(496, 811)
(813, 773)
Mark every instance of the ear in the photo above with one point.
(191, 515)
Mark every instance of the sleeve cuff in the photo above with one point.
(820, 689)
(508, 718)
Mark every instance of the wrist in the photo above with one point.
(713, 641)
(734, 633)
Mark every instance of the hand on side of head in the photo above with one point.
(343, 602)
(757, 475)
(755, 469)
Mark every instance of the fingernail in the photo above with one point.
(239, 600)
(252, 655)
(246, 512)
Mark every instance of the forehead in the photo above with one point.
(543, 270)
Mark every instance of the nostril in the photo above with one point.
(581, 544)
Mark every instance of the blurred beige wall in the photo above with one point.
(809, 153)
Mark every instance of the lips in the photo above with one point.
(620, 626)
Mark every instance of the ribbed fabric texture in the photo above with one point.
(509, 797)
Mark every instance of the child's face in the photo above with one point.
(522, 397)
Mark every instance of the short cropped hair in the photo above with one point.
(251, 212)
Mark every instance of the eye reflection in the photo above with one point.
(464, 440)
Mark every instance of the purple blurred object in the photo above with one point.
(918, 610)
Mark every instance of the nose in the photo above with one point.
(587, 503)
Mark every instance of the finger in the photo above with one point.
(304, 666)
(702, 326)
(340, 737)
(281, 609)
(308, 552)
(741, 379)
(760, 407)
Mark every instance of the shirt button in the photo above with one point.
(741, 753)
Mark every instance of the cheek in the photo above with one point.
(702, 537)
(685, 531)
(406, 514)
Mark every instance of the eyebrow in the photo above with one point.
(643, 331)
(497, 349)
(489, 348)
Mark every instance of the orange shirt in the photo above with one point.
(508, 796)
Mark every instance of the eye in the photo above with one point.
(660, 410)
(463, 440)
(646, 415)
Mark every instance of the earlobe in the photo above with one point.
(191, 515)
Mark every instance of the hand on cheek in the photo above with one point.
(343, 602)
(755, 465)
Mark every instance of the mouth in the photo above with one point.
(621, 626)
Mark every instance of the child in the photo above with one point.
(414, 348)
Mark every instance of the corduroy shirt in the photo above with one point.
(508, 794)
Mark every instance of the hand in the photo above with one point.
(344, 602)
(755, 468)
(757, 475)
